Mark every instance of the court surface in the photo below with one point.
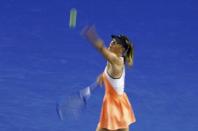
(42, 60)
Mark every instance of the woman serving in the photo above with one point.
(116, 113)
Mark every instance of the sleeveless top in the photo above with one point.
(117, 83)
(117, 111)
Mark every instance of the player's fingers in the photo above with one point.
(84, 30)
(89, 32)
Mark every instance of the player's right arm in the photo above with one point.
(100, 79)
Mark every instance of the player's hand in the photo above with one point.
(89, 32)
(100, 80)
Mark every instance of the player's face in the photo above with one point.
(114, 46)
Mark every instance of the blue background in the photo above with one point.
(42, 59)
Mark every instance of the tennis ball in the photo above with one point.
(72, 20)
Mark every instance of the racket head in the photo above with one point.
(70, 107)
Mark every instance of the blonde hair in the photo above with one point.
(129, 55)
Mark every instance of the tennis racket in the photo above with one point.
(71, 106)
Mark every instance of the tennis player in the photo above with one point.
(117, 112)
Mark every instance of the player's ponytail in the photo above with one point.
(129, 55)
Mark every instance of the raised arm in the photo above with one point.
(91, 35)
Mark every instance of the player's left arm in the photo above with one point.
(91, 35)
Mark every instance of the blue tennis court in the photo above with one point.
(43, 60)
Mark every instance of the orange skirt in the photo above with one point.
(116, 110)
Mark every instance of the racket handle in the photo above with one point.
(86, 92)
(93, 86)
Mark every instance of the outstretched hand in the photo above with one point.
(89, 32)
